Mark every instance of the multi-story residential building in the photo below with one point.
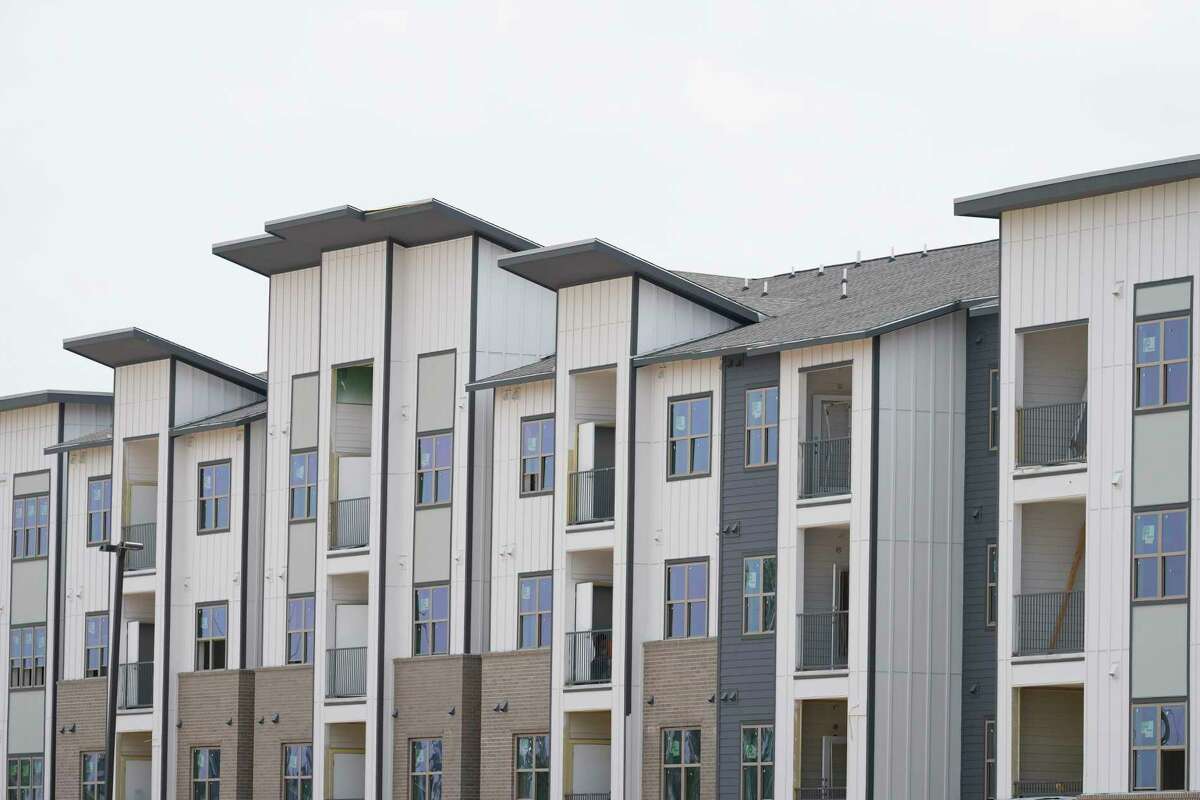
(502, 520)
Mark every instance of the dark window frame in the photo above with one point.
(759, 762)
(991, 598)
(989, 758)
(206, 644)
(41, 533)
(1158, 747)
(432, 622)
(1162, 362)
(298, 778)
(542, 456)
(434, 469)
(537, 613)
(92, 789)
(774, 594)
(688, 602)
(765, 427)
(35, 789)
(534, 770)
(202, 499)
(27, 671)
(308, 635)
(1160, 555)
(683, 766)
(994, 409)
(426, 775)
(102, 647)
(208, 780)
(689, 437)
(106, 512)
(309, 487)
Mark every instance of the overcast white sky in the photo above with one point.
(727, 137)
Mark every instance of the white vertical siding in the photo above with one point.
(87, 572)
(84, 418)
(200, 394)
(665, 318)
(515, 317)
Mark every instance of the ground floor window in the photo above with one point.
(1159, 746)
(681, 764)
(758, 762)
(297, 772)
(533, 768)
(425, 769)
(92, 777)
(206, 773)
(989, 759)
(25, 777)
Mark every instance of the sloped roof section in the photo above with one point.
(101, 438)
(43, 397)
(126, 346)
(226, 419)
(539, 370)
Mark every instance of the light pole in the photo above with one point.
(114, 658)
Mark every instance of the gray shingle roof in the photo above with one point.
(101, 438)
(536, 371)
(226, 419)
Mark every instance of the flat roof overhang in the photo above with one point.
(122, 348)
(576, 263)
(13, 402)
(1074, 187)
(297, 242)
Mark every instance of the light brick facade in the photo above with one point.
(438, 697)
(681, 677)
(519, 682)
(216, 709)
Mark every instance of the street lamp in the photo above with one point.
(114, 657)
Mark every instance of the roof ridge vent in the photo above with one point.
(858, 259)
(792, 274)
(924, 249)
(844, 271)
(764, 291)
(745, 284)
(820, 269)
(892, 257)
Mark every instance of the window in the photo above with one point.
(27, 657)
(435, 457)
(688, 444)
(95, 645)
(214, 498)
(25, 778)
(535, 609)
(212, 626)
(302, 486)
(1160, 560)
(1160, 746)
(762, 427)
(353, 385)
(758, 595)
(681, 764)
(31, 526)
(994, 409)
(1162, 358)
(301, 623)
(687, 600)
(758, 762)
(99, 509)
(297, 772)
(533, 768)
(989, 759)
(92, 776)
(537, 456)
(206, 773)
(431, 626)
(992, 583)
(426, 769)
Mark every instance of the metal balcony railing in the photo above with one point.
(1047, 623)
(1046, 788)
(591, 495)
(349, 523)
(820, 793)
(821, 640)
(144, 558)
(589, 657)
(1050, 435)
(135, 685)
(587, 796)
(825, 467)
(346, 672)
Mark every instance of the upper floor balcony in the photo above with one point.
(823, 625)
(1047, 741)
(591, 442)
(1051, 398)
(823, 465)
(135, 686)
(1048, 611)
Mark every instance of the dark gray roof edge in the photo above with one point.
(225, 419)
(660, 276)
(84, 442)
(43, 397)
(296, 220)
(1073, 187)
(169, 349)
(501, 380)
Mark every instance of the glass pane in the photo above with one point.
(441, 602)
(435, 755)
(749, 744)
(425, 452)
(199, 764)
(297, 471)
(421, 642)
(524, 752)
(441, 637)
(547, 436)
(692, 783)
(1145, 539)
(700, 455)
(220, 617)
(1174, 726)
(424, 605)
(1175, 576)
(444, 450)
(1145, 768)
(1148, 349)
(444, 482)
(541, 752)
(524, 785)
(1177, 383)
(547, 627)
(691, 747)
(222, 513)
(698, 619)
(529, 631)
(1146, 577)
(418, 788)
(768, 613)
(546, 593)
(672, 784)
(419, 757)
(435, 787)
(543, 786)
(1174, 770)
(769, 574)
(1145, 726)
(679, 418)
(697, 581)
(752, 615)
(754, 407)
(1174, 531)
(529, 439)
(222, 478)
(701, 415)
(679, 457)
(676, 620)
(424, 487)
(772, 406)
(1175, 339)
(752, 583)
(526, 595)
(767, 744)
(672, 747)
(750, 783)
(768, 783)
(754, 450)
(354, 385)
(1148, 386)
(676, 582)
(772, 445)
(548, 472)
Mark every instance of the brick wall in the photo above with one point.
(521, 679)
(680, 674)
(288, 692)
(426, 689)
(80, 703)
(217, 710)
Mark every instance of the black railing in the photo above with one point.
(820, 793)
(1044, 788)
(1050, 435)
(589, 657)
(587, 796)
(144, 558)
(591, 495)
(1047, 623)
(821, 640)
(135, 685)
(349, 523)
(346, 672)
(27, 673)
(825, 467)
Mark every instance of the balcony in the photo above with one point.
(135, 686)
(821, 640)
(346, 672)
(820, 750)
(587, 796)
(591, 496)
(589, 657)
(824, 468)
(1047, 788)
(144, 534)
(820, 793)
(349, 523)
(1048, 741)
(1052, 435)
(1048, 623)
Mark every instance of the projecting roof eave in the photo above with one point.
(13, 402)
(541, 370)
(235, 418)
(95, 439)
(122, 348)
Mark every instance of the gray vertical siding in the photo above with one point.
(981, 496)
(750, 500)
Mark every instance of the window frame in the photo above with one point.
(432, 622)
(200, 642)
(765, 427)
(207, 780)
(102, 647)
(541, 457)
(991, 597)
(434, 470)
(534, 770)
(537, 613)
(1162, 362)
(994, 409)
(309, 487)
(27, 671)
(301, 778)
(202, 499)
(106, 511)
(1160, 555)
(687, 602)
(758, 764)
(427, 774)
(763, 594)
(1158, 747)
(41, 533)
(688, 437)
(684, 766)
(309, 634)
(989, 758)
(97, 784)
(34, 789)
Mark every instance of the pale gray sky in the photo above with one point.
(727, 137)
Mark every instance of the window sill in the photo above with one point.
(346, 552)
(581, 527)
(801, 674)
(688, 477)
(828, 500)
(544, 493)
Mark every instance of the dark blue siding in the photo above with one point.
(750, 500)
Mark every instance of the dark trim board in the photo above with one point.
(873, 568)
(386, 410)
(168, 530)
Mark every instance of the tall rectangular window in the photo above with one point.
(301, 627)
(681, 764)
(758, 595)
(425, 768)
(989, 759)
(689, 451)
(435, 462)
(26, 777)
(302, 486)
(95, 645)
(431, 622)
(537, 455)
(1160, 555)
(99, 509)
(533, 767)
(1163, 362)
(92, 776)
(992, 584)
(31, 526)
(212, 629)
(993, 409)
(213, 499)
(535, 609)
(297, 772)
(1160, 746)
(27, 656)
(758, 762)
(762, 427)
(206, 773)
(687, 599)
